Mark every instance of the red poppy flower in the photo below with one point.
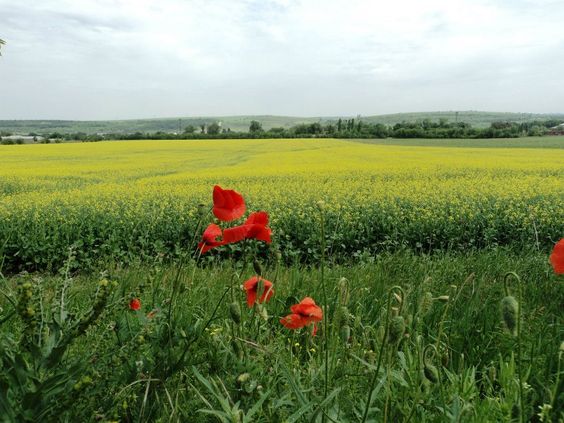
(135, 304)
(303, 314)
(557, 257)
(227, 204)
(251, 286)
(253, 228)
(209, 238)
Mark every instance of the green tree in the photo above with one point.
(190, 129)
(255, 127)
(214, 128)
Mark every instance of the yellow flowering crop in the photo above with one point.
(134, 198)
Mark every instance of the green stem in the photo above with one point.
(325, 316)
(519, 370)
(380, 353)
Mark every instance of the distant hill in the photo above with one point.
(241, 123)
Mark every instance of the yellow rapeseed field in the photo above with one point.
(139, 197)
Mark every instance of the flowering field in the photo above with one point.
(129, 200)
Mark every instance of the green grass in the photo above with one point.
(529, 142)
(134, 369)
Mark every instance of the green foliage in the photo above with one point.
(368, 126)
(255, 127)
(183, 357)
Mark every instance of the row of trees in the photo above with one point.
(342, 128)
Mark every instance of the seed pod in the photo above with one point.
(396, 329)
(235, 312)
(509, 311)
(431, 373)
(345, 333)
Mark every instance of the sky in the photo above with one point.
(122, 59)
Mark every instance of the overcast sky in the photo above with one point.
(117, 59)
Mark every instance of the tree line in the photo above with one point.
(341, 128)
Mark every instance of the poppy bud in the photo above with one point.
(263, 312)
(492, 374)
(443, 298)
(243, 377)
(235, 312)
(344, 290)
(257, 267)
(445, 359)
(345, 333)
(398, 297)
(426, 302)
(278, 255)
(431, 373)
(396, 329)
(343, 316)
(509, 311)
(201, 210)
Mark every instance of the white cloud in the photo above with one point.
(133, 58)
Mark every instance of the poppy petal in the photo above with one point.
(135, 304)
(293, 321)
(308, 309)
(267, 292)
(235, 234)
(227, 204)
(251, 283)
(557, 257)
(251, 297)
(257, 218)
(209, 237)
(259, 232)
(211, 233)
